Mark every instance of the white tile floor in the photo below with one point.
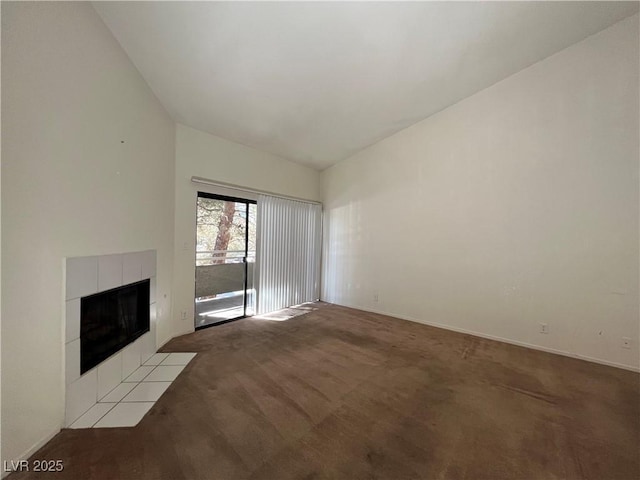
(139, 374)
(164, 373)
(156, 359)
(124, 415)
(126, 404)
(147, 392)
(118, 393)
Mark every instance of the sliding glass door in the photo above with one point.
(225, 259)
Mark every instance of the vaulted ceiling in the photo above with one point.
(316, 82)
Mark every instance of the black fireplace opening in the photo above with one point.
(110, 320)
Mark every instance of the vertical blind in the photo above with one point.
(288, 253)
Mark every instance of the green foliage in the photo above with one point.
(208, 215)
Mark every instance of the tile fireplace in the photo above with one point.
(86, 277)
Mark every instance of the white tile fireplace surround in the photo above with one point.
(86, 276)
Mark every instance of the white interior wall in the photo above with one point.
(510, 217)
(203, 155)
(88, 155)
(517, 206)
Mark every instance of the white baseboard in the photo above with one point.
(493, 337)
(30, 451)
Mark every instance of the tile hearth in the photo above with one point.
(127, 403)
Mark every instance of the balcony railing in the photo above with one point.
(220, 257)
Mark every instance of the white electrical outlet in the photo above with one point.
(544, 328)
(626, 342)
(184, 315)
(375, 297)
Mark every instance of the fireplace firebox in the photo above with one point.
(110, 320)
